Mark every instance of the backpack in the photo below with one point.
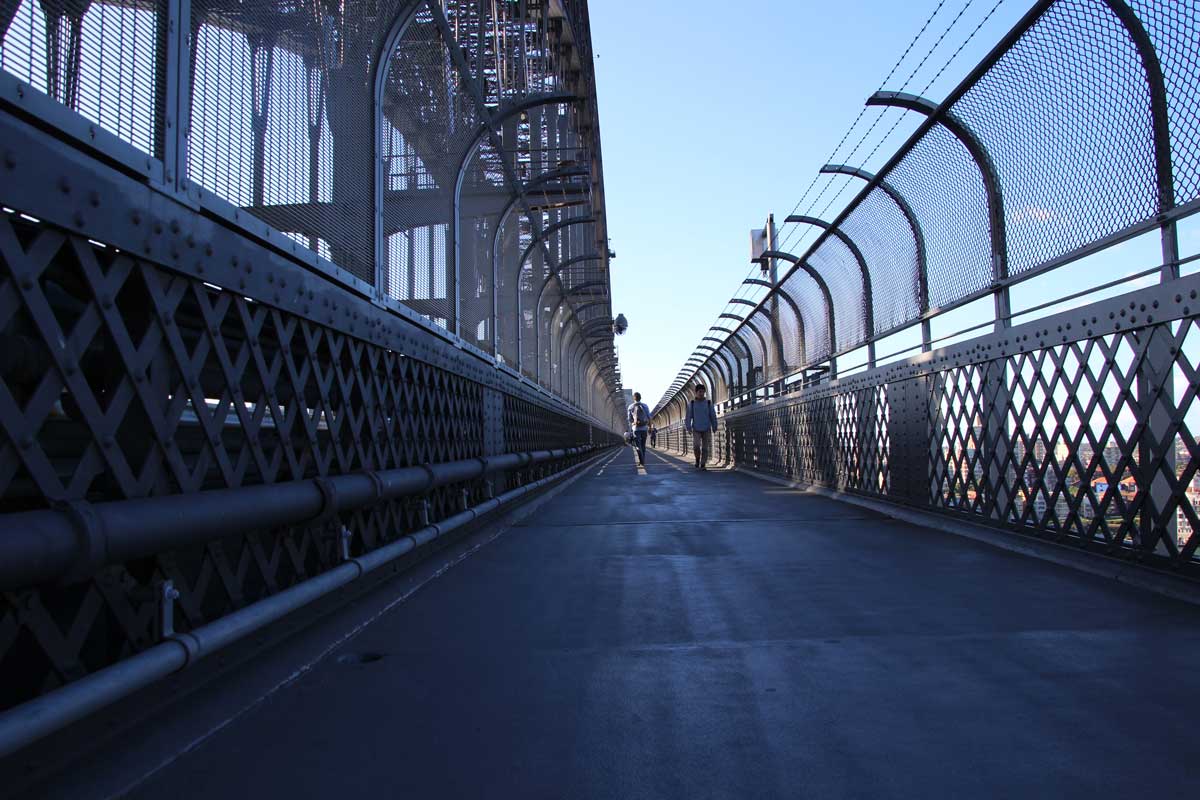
(639, 415)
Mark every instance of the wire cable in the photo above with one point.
(745, 290)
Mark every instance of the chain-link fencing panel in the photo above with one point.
(103, 60)
(809, 298)
(882, 233)
(761, 322)
(1091, 172)
(1174, 29)
(429, 125)
(945, 189)
(483, 197)
(840, 269)
(514, 236)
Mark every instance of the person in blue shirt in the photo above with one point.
(701, 421)
(639, 421)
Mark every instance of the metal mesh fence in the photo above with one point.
(509, 54)
(512, 239)
(880, 229)
(954, 218)
(843, 275)
(788, 332)
(429, 124)
(103, 60)
(545, 141)
(1067, 137)
(1174, 29)
(754, 351)
(806, 293)
(742, 359)
(170, 386)
(548, 317)
(1077, 67)
(382, 166)
(1082, 129)
(281, 121)
(172, 342)
(761, 321)
(532, 277)
(483, 197)
(1085, 438)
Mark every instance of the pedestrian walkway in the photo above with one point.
(667, 633)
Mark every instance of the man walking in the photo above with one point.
(639, 420)
(701, 421)
(654, 436)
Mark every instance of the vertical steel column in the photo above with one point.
(1156, 444)
(996, 444)
(177, 94)
(315, 99)
(776, 333)
(1155, 383)
(909, 440)
(262, 49)
(453, 256)
(494, 439)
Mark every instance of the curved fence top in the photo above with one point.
(1079, 129)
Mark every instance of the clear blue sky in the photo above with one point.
(714, 114)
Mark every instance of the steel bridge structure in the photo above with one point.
(1077, 132)
(305, 302)
(283, 286)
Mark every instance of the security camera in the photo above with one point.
(620, 324)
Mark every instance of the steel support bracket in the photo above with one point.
(166, 596)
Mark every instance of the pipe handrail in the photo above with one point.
(73, 542)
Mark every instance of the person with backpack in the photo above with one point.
(639, 420)
(701, 421)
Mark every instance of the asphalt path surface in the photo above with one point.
(661, 632)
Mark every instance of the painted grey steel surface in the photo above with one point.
(1077, 427)
(37, 718)
(267, 254)
(959, 212)
(681, 635)
(1073, 428)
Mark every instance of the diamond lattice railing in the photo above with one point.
(121, 379)
(1060, 429)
